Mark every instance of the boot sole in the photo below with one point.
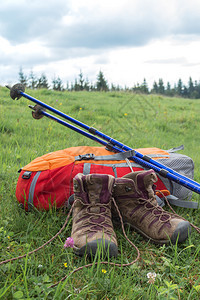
(181, 233)
(108, 248)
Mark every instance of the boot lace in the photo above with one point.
(95, 217)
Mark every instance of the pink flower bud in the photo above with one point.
(69, 243)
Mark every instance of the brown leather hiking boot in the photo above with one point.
(92, 226)
(135, 197)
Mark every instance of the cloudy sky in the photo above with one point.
(128, 40)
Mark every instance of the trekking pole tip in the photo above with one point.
(15, 91)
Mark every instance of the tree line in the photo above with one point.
(79, 84)
(191, 90)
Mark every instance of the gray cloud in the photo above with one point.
(24, 21)
(42, 20)
(135, 25)
(118, 30)
(187, 21)
(98, 36)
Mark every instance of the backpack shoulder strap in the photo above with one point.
(182, 203)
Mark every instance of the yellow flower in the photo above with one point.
(104, 271)
(126, 114)
(80, 108)
(65, 265)
(8, 237)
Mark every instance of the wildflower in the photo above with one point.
(77, 291)
(8, 237)
(65, 265)
(40, 266)
(104, 271)
(69, 243)
(80, 108)
(151, 277)
(126, 114)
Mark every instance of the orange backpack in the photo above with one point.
(47, 181)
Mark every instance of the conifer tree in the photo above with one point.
(161, 88)
(81, 81)
(42, 82)
(190, 87)
(101, 84)
(144, 88)
(180, 88)
(22, 77)
(57, 84)
(155, 88)
(32, 81)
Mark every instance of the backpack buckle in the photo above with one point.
(87, 156)
(26, 175)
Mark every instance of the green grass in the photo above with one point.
(135, 120)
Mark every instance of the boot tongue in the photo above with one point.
(93, 186)
(97, 189)
(145, 183)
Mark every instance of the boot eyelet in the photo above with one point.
(127, 189)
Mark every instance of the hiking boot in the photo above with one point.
(92, 226)
(135, 197)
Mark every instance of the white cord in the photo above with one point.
(129, 164)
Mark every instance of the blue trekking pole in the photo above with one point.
(17, 91)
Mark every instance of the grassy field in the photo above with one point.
(137, 121)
